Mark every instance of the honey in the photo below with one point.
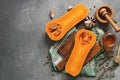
(109, 40)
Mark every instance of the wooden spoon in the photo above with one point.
(117, 57)
(104, 14)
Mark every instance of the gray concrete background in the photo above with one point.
(24, 43)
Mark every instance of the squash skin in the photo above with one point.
(67, 21)
(79, 53)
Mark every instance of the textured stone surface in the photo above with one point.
(24, 43)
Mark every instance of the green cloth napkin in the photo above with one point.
(90, 68)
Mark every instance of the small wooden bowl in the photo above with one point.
(100, 18)
(108, 41)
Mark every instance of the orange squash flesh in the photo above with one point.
(66, 22)
(84, 41)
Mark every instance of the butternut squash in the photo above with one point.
(84, 41)
(57, 28)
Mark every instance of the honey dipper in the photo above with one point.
(104, 14)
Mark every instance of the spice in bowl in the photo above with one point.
(108, 41)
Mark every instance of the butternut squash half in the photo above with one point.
(57, 28)
(84, 41)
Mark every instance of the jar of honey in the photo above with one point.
(108, 41)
